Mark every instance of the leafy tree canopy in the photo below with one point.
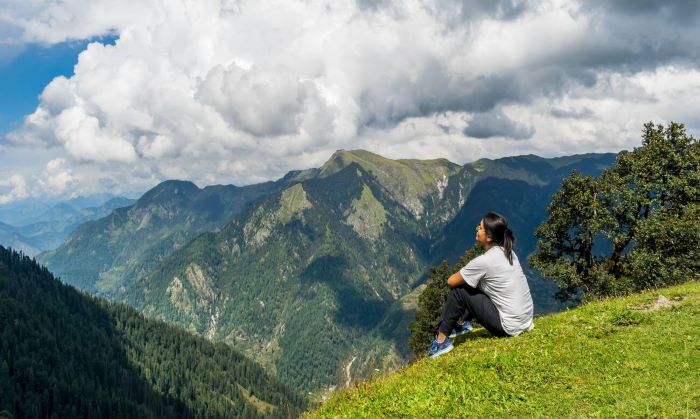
(635, 226)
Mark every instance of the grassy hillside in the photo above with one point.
(635, 356)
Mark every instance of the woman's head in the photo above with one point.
(493, 230)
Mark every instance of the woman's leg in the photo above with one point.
(453, 309)
(470, 303)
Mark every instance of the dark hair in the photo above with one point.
(497, 228)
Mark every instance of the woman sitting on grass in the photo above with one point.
(491, 289)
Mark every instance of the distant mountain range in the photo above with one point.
(313, 275)
(38, 209)
(108, 255)
(33, 227)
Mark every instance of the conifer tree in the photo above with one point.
(432, 299)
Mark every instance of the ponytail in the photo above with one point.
(508, 241)
(501, 235)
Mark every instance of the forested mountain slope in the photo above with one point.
(66, 354)
(295, 280)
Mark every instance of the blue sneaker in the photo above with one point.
(461, 329)
(436, 349)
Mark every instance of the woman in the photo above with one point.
(491, 289)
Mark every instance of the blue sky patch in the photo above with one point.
(24, 77)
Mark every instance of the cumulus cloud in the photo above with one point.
(12, 189)
(56, 178)
(265, 103)
(241, 91)
(52, 21)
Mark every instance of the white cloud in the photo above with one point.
(265, 103)
(241, 91)
(13, 189)
(52, 21)
(85, 139)
(56, 178)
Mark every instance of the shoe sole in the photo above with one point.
(442, 352)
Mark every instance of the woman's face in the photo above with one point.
(481, 234)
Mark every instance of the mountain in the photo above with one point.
(293, 280)
(517, 187)
(315, 277)
(418, 185)
(612, 358)
(66, 354)
(308, 280)
(38, 209)
(49, 234)
(47, 228)
(11, 236)
(106, 256)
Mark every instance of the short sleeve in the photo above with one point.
(474, 271)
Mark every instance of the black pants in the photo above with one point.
(470, 303)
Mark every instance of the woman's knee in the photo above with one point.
(454, 292)
(458, 294)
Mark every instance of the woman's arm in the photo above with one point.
(455, 280)
(470, 274)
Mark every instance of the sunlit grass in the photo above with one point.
(618, 357)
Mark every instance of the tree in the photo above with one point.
(431, 300)
(635, 226)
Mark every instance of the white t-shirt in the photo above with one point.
(506, 285)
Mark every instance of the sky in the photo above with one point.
(119, 95)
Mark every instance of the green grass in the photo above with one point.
(610, 358)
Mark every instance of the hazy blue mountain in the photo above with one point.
(20, 212)
(10, 236)
(48, 235)
(105, 256)
(38, 209)
(34, 225)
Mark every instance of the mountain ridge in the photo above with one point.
(49, 229)
(329, 249)
(311, 234)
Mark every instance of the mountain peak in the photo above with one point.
(369, 161)
(409, 181)
(168, 190)
(343, 158)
